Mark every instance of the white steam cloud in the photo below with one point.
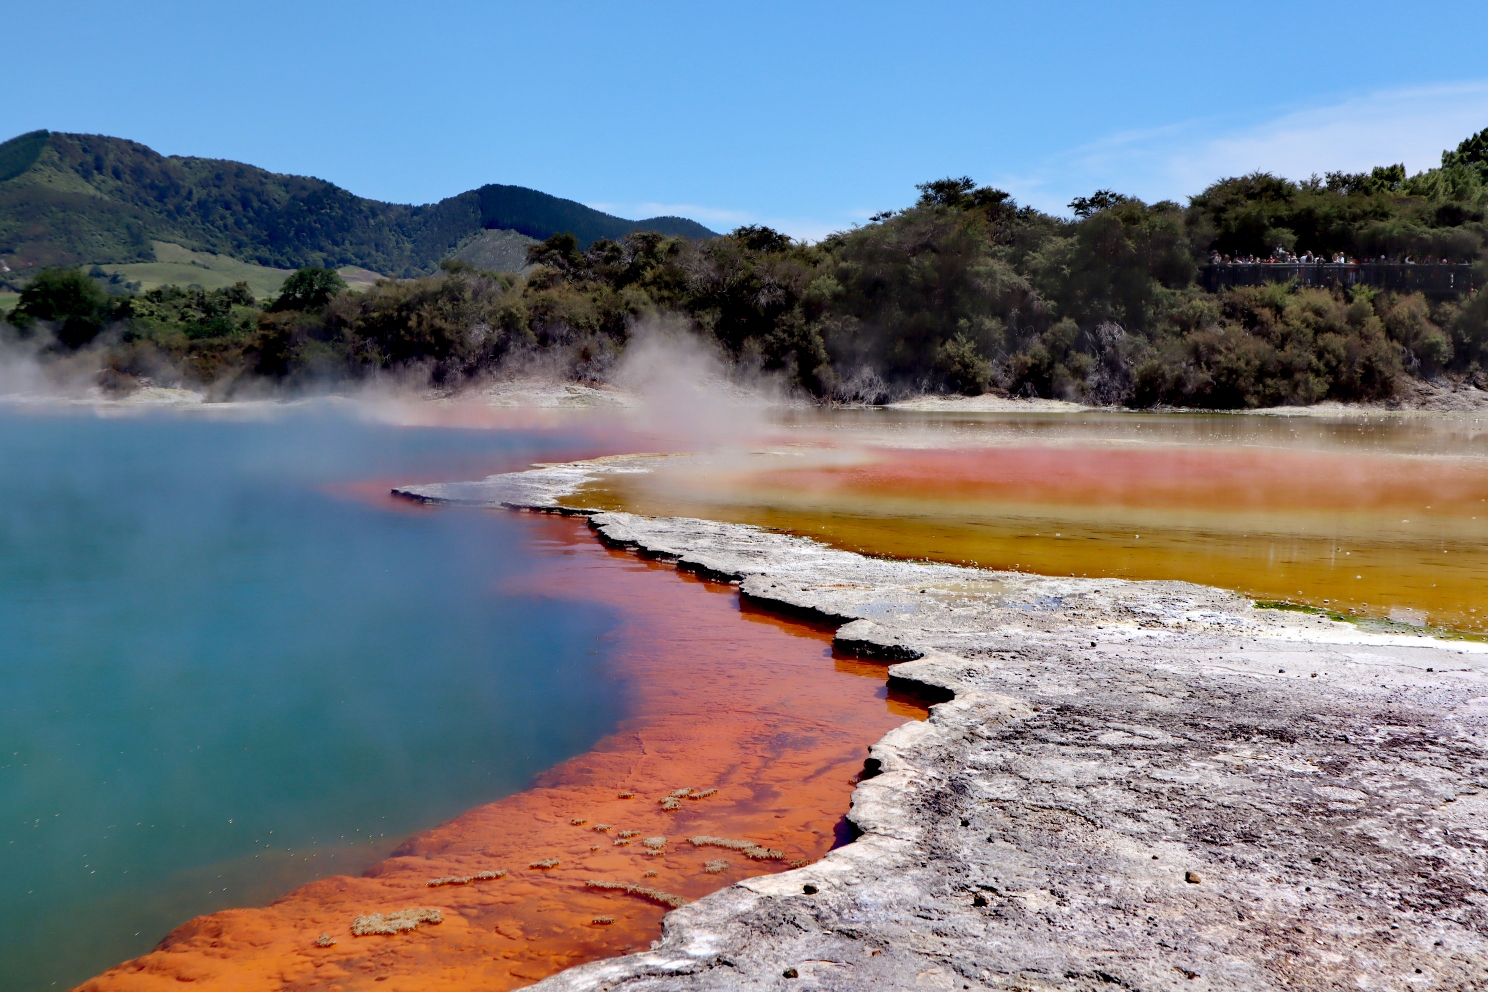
(688, 393)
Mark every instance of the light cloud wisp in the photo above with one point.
(1412, 126)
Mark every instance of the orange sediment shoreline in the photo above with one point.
(748, 704)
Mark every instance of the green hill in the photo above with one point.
(71, 199)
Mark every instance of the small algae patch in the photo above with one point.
(748, 848)
(645, 892)
(394, 923)
(480, 876)
(673, 800)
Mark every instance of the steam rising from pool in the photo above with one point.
(690, 395)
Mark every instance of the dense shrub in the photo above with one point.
(1272, 345)
(65, 301)
(962, 291)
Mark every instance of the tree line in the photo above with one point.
(962, 291)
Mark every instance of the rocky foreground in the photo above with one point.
(1141, 785)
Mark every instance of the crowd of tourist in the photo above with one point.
(1283, 257)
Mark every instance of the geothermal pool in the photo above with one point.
(224, 673)
(234, 666)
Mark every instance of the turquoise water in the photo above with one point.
(221, 675)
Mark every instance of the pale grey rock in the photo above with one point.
(538, 488)
(871, 640)
(1104, 742)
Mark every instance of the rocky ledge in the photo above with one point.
(1141, 785)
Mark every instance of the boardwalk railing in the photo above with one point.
(1432, 278)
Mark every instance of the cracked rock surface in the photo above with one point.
(1142, 785)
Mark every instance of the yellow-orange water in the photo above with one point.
(1384, 519)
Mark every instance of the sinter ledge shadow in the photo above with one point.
(1148, 785)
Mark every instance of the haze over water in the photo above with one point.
(1384, 516)
(224, 673)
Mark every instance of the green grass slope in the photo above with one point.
(495, 250)
(69, 199)
(178, 266)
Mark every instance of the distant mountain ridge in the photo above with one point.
(70, 199)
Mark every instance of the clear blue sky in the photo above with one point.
(807, 116)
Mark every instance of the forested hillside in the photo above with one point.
(71, 199)
(963, 290)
